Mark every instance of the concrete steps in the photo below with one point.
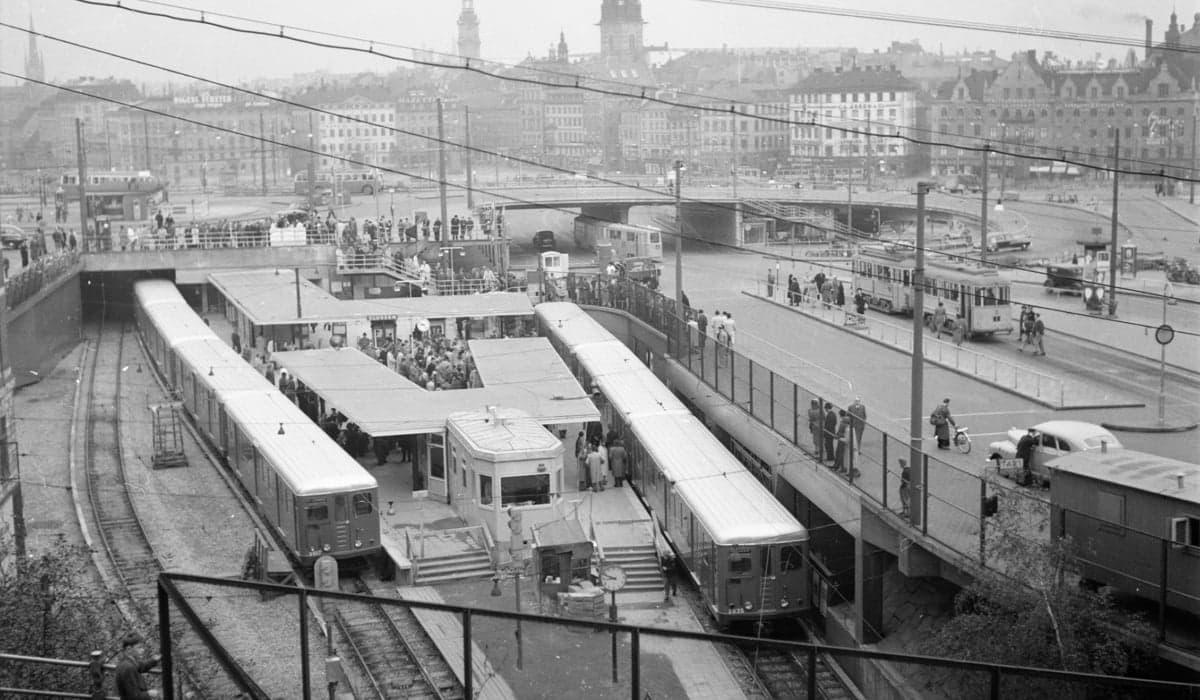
(640, 563)
(454, 567)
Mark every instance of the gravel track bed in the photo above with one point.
(198, 526)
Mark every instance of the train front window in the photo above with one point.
(339, 509)
(791, 558)
(317, 511)
(739, 564)
(654, 237)
(364, 504)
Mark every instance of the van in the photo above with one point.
(543, 241)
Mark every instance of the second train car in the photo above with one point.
(746, 553)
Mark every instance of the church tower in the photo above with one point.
(621, 32)
(34, 68)
(468, 30)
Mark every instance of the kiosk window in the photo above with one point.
(485, 490)
(527, 490)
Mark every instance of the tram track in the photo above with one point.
(128, 550)
(391, 650)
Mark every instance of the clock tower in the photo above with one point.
(621, 32)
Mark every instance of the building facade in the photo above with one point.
(842, 121)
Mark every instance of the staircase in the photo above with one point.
(451, 555)
(800, 214)
(640, 563)
(349, 263)
(454, 567)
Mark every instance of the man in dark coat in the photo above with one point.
(1025, 452)
(130, 667)
(830, 426)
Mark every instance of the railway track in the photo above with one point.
(392, 651)
(766, 671)
(124, 539)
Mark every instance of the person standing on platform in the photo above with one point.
(1039, 334)
(594, 467)
(702, 327)
(617, 459)
(939, 319)
(905, 482)
(815, 419)
(770, 283)
(581, 454)
(858, 421)
(842, 435)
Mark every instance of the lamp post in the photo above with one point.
(448, 253)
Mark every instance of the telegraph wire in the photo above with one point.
(503, 196)
(652, 94)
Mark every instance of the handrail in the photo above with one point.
(195, 238)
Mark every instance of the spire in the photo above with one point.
(563, 56)
(468, 30)
(35, 69)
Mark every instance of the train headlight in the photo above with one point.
(326, 547)
(357, 543)
(748, 606)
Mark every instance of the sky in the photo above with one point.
(513, 29)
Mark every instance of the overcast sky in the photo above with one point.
(512, 29)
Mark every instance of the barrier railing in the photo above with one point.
(45, 270)
(990, 368)
(199, 239)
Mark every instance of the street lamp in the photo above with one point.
(447, 252)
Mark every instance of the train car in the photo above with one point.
(318, 498)
(618, 241)
(746, 553)
(974, 295)
(1135, 520)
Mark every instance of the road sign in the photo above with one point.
(1164, 334)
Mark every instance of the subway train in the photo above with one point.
(746, 553)
(318, 499)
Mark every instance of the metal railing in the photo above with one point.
(201, 238)
(23, 285)
(93, 673)
(984, 366)
(488, 630)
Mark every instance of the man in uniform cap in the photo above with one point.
(130, 667)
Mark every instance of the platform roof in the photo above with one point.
(269, 299)
(384, 403)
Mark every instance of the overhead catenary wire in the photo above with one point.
(503, 196)
(643, 93)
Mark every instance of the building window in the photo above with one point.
(1164, 90)
(1120, 92)
(526, 490)
(1186, 531)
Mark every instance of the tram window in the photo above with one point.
(363, 504)
(791, 558)
(739, 564)
(654, 237)
(630, 237)
(316, 511)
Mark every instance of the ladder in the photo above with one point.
(168, 436)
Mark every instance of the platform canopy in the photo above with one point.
(268, 297)
(386, 404)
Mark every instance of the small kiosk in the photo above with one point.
(562, 556)
(509, 468)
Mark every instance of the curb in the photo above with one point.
(1181, 428)
(1010, 390)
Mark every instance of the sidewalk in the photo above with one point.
(996, 363)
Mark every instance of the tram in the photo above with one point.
(618, 241)
(970, 294)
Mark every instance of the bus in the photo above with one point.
(618, 241)
(120, 195)
(349, 181)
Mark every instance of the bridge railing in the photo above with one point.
(45, 270)
(207, 239)
(954, 499)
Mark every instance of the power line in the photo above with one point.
(502, 196)
(950, 23)
(644, 93)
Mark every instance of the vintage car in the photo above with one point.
(1004, 240)
(1054, 439)
(12, 236)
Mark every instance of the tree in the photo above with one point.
(48, 608)
(1035, 612)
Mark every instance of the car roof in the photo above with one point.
(1073, 429)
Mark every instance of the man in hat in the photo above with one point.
(130, 667)
(858, 421)
(942, 420)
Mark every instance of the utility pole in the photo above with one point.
(1112, 248)
(917, 373)
(81, 160)
(850, 200)
(299, 314)
(146, 137)
(1192, 184)
(983, 208)
(679, 238)
(312, 162)
(467, 155)
(262, 152)
(736, 151)
(442, 168)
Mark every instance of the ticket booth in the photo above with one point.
(562, 556)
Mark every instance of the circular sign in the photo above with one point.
(1164, 334)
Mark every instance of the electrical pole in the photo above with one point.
(850, 201)
(299, 313)
(736, 152)
(917, 374)
(467, 154)
(146, 137)
(442, 168)
(81, 160)
(983, 208)
(262, 152)
(1192, 184)
(1112, 250)
(679, 239)
(312, 162)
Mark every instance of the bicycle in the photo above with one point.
(962, 440)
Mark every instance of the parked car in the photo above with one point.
(1064, 279)
(544, 241)
(1054, 439)
(12, 236)
(1007, 241)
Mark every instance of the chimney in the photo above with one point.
(1149, 36)
(1104, 447)
(1179, 479)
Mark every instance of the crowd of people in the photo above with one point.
(435, 363)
